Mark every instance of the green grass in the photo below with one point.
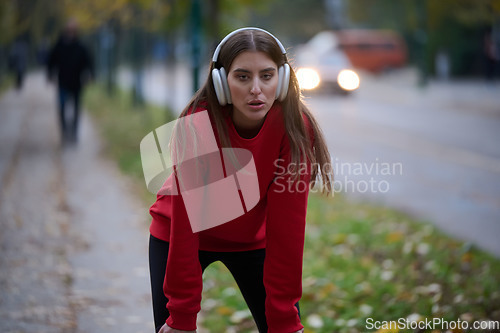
(361, 261)
(364, 261)
(6, 83)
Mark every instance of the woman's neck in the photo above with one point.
(247, 130)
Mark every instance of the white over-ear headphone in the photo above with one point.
(219, 76)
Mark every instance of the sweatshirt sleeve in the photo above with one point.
(285, 230)
(183, 277)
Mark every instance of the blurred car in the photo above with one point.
(373, 50)
(321, 64)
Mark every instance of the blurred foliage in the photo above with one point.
(26, 18)
(39, 18)
(7, 21)
(146, 14)
(122, 30)
(295, 21)
(36, 19)
(404, 14)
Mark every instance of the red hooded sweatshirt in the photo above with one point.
(276, 223)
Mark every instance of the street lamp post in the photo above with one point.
(195, 41)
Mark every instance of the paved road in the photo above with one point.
(433, 153)
(73, 238)
(436, 150)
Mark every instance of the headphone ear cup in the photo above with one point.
(280, 82)
(219, 87)
(284, 81)
(225, 85)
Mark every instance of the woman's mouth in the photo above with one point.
(256, 104)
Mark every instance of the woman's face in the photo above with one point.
(252, 79)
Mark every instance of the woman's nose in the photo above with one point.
(255, 87)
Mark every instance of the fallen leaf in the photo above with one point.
(224, 310)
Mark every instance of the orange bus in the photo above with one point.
(373, 50)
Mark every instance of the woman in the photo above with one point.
(253, 103)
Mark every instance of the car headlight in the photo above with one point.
(308, 78)
(348, 80)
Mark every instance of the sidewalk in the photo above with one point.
(73, 236)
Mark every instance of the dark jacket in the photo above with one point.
(72, 61)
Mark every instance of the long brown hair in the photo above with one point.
(293, 108)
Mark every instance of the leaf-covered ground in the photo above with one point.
(364, 262)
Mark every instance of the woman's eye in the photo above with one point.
(242, 77)
(267, 76)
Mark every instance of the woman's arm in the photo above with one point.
(183, 277)
(285, 230)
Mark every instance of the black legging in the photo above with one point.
(69, 131)
(247, 268)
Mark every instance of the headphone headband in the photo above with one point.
(217, 50)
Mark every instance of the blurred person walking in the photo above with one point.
(18, 58)
(74, 66)
(492, 54)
